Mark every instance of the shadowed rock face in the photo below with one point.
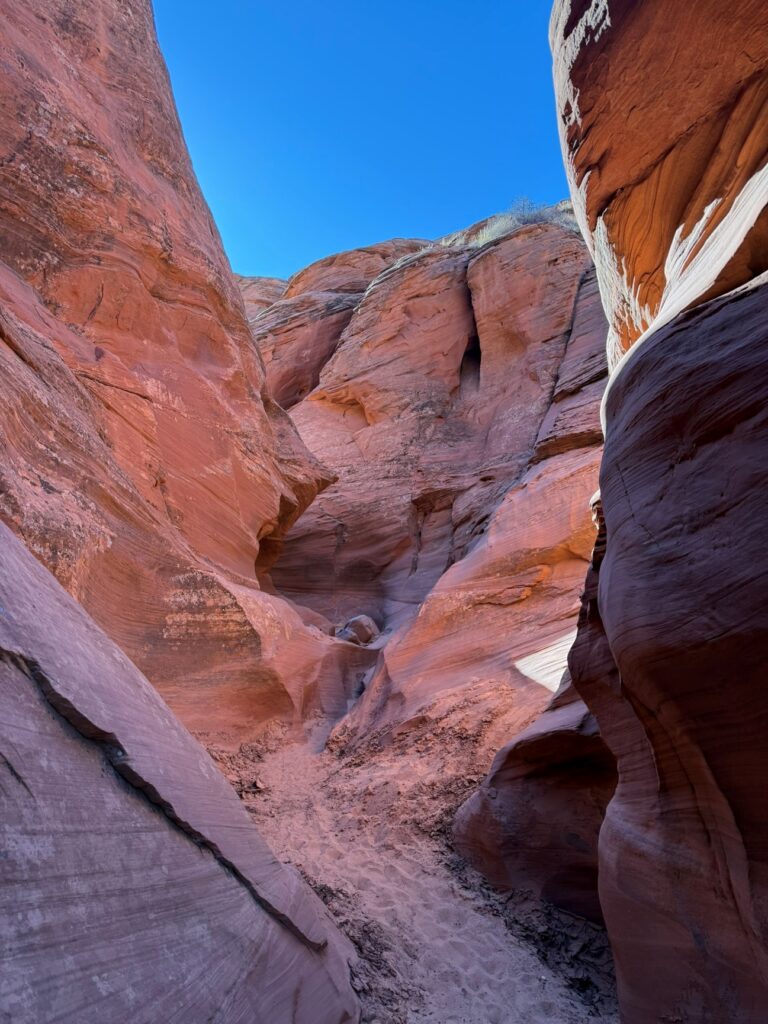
(671, 658)
(671, 199)
(134, 885)
(664, 127)
(673, 632)
(535, 821)
(143, 462)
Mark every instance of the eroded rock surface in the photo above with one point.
(134, 885)
(673, 630)
(677, 613)
(297, 335)
(459, 410)
(673, 207)
(144, 462)
(535, 821)
(428, 411)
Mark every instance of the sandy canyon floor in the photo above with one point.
(370, 831)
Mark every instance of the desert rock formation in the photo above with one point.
(673, 630)
(673, 208)
(364, 596)
(181, 912)
(297, 335)
(535, 821)
(459, 411)
(144, 461)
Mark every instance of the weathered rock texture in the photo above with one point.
(459, 410)
(670, 656)
(534, 823)
(259, 293)
(134, 885)
(144, 462)
(673, 631)
(297, 335)
(664, 125)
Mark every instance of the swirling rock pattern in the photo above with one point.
(664, 124)
(134, 885)
(144, 461)
(670, 656)
(665, 135)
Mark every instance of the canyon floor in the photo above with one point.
(370, 832)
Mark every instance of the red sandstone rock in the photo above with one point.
(297, 336)
(351, 271)
(501, 619)
(673, 629)
(143, 461)
(462, 371)
(426, 412)
(535, 821)
(664, 124)
(680, 619)
(134, 884)
(259, 293)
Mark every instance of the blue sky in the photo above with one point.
(317, 127)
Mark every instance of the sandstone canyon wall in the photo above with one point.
(457, 402)
(673, 631)
(664, 124)
(145, 462)
(134, 885)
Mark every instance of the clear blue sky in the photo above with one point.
(316, 127)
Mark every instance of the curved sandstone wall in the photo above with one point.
(144, 462)
(663, 115)
(665, 133)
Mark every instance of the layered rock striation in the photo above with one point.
(673, 629)
(459, 410)
(298, 332)
(134, 885)
(669, 656)
(664, 127)
(145, 462)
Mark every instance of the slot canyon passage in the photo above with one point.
(387, 644)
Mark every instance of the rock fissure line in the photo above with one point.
(119, 760)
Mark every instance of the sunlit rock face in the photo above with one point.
(663, 115)
(665, 135)
(297, 335)
(459, 411)
(260, 292)
(135, 886)
(143, 461)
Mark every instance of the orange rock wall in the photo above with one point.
(144, 462)
(663, 114)
(459, 411)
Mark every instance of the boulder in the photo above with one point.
(360, 629)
